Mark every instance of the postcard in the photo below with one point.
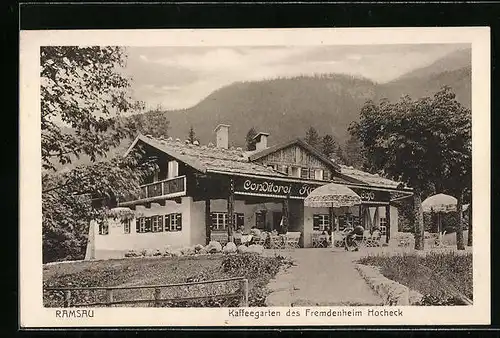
(254, 177)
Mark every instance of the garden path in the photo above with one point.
(321, 277)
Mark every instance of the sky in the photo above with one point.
(180, 77)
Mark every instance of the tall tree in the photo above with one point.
(354, 153)
(312, 138)
(191, 135)
(403, 142)
(250, 143)
(455, 122)
(154, 122)
(328, 146)
(84, 99)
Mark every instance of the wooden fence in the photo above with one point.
(156, 299)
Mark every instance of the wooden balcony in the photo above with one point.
(165, 189)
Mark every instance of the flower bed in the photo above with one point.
(443, 278)
(164, 270)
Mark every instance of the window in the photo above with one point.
(173, 169)
(383, 226)
(103, 228)
(321, 222)
(318, 174)
(219, 220)
(143, 225)
(126, 227)
(295, 172)
(173, 222)
(326, 175)
(260, 220)
(304, 172)
(157, 223)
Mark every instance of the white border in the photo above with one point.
(31, 310)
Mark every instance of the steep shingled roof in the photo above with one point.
(203, 158)
(368, 178)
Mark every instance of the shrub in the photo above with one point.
(441, 277)
(132, 253)
(257, 269)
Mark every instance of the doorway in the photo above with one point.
(277, 220)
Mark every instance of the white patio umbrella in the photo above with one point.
(330, 196)
(440, 203)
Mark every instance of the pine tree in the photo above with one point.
(328, 146)
(250, 143)
(312, 137)
(191, 135)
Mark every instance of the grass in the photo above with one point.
(441, 277)
(164, 270)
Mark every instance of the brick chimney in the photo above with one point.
(261, 141)
(222, 136)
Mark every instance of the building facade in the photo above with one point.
(201, 193)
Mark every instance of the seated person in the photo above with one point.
(357, 231)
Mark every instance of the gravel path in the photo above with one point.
(321, 277)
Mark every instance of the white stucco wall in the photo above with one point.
(116, 242)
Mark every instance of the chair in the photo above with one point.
(292, 240)
(320, 240)
(373, 240)
(261, 240)
(277, 242)
(237, 237)
(220, 237)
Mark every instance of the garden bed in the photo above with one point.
(164, 270)
(442, 278)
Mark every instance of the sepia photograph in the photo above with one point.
(313, 180)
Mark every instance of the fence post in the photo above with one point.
(244, 288)
(109, 297)
(67, 298)
(157, 297)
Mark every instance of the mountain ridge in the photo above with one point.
(287, 107)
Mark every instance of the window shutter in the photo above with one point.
(240, 220)
(179, 222)
(326, 175)
(315, 222)
(160, 223)
(137, 227)
(167, 222)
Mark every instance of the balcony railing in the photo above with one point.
(169, 188)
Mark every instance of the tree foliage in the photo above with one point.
(72, 198)
(191, 135)
(250, 142)
(312, 137)
(419, 142)
(154, 122)
(328, 146)
(354, 153)
(84, 99)
(82, 91)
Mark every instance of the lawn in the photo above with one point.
(165, 270)
(443, 278)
